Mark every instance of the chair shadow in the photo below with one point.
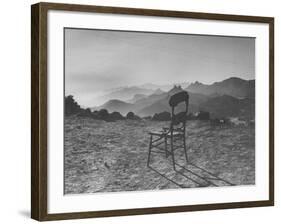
(167, 178)
(208, 180)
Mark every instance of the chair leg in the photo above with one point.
(184, 146)
(149, 150)
(172, 152)
(166, 150)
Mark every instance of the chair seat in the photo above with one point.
(158, 133)
(165, 133)
(175, 133)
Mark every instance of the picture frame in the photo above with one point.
(41, 162)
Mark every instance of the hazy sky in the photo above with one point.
(97, 60)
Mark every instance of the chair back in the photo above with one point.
(175, 100)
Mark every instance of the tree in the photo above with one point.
(163, 116)
(132, 116)
(103, 114)
(85, 113)
(71, 106)
(116, 116)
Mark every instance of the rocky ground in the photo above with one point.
(111, 156)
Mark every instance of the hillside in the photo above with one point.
(235, 87)
(116, 105)
(124, 94)
(136, 97)
(228, 106)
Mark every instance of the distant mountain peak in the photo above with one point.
(195, 84)
(175, 87)
(158, 91)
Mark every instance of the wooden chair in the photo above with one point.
(174, 136)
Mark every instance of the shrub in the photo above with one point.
(203, 115)
(95, 114)
(132, 116)
(163, 116)
(116, 116)
(147, 118)
(220, 122)
(85, 113)
(103, 114)
(191, 116)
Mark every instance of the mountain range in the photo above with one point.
(235, 87)
(128, 93)
(230, 97)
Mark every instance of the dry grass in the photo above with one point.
(111, 156)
